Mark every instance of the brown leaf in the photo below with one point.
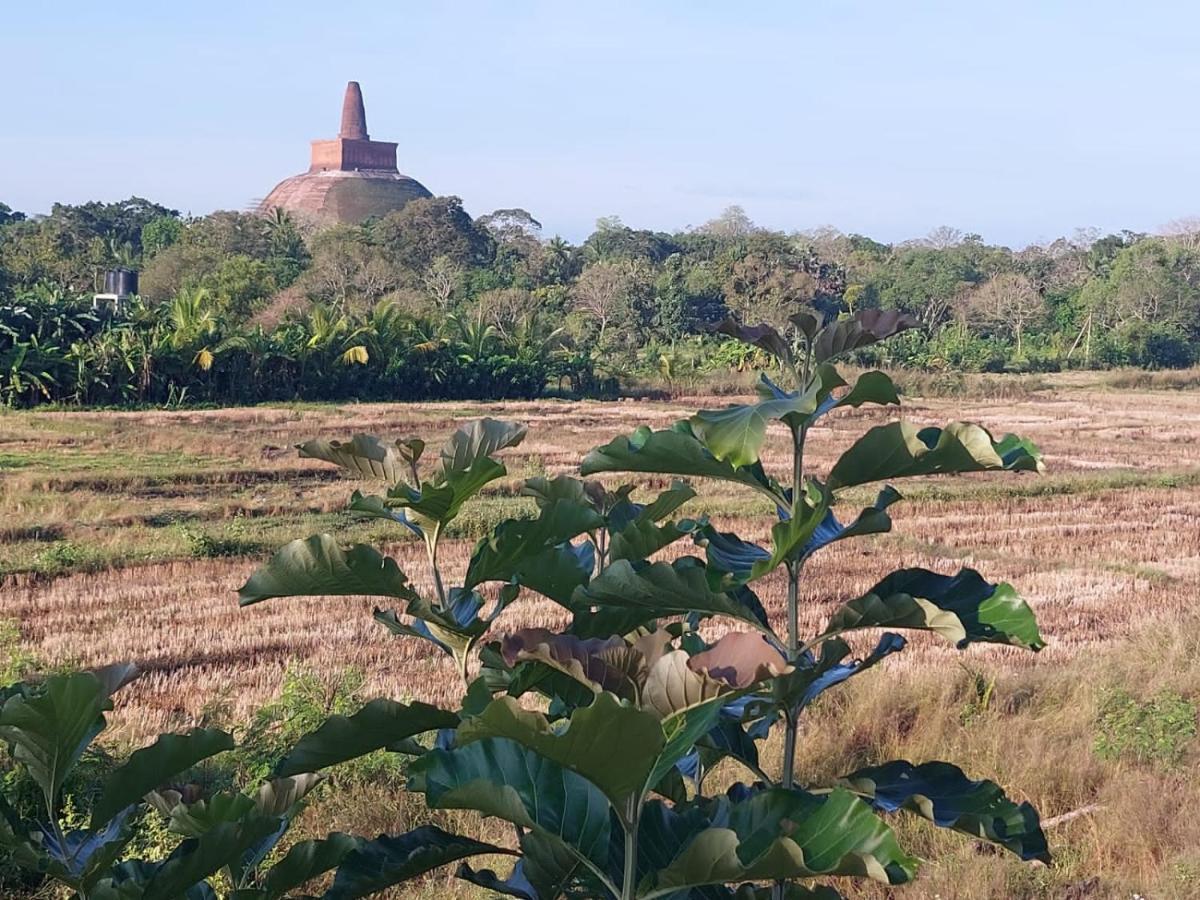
(866, 327)
(673, 686)
(739, 659)
(763, 336)
(607, 665)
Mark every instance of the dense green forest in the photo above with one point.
(429, 303)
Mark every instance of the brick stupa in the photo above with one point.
(351, 178)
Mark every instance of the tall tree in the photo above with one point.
(731, 224)
(426, 228)
(1007, 302)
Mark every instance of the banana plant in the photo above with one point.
(49, 725)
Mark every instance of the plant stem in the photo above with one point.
(789, 751)
(602, 549)
(787, 778)
(629, 879)
(431, 547)
(464, 663)
(798, 436)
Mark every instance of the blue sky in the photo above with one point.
(1018, 120)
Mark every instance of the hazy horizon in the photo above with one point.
(1021, 123)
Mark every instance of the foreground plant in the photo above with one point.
(603, 777)
(223, 837)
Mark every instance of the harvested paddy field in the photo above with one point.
(125, 535)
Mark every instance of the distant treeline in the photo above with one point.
(428, 303)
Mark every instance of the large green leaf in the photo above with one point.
(477, 440)
(870, 387)
(499, 777)
(551, 682)
(683, 729)
(79, 857)
(281, 796)
(557, 572)
(197, 818)
(820, 398)
(736, 433)
(437, 502)
(389, 860)
(455, 629)
(790, 536)
(611, 744)
(813, 676)
(197, 858)
(943, 794)
(663, 589)
(49, 727)
(642, 539)
(871, 519)
(305, 861)
(318, 567)
(128, 881)
(900, 450)
(376, 507)
(150, 767)
(367, 456)
(379, 724)
(778, 835)
(547, 868)
(666, 503)
(728, 554)
(674, 452)
(546, 491)
(517, 544)
(639, 536)
(115, 676)
(794, 538)
(964, 608)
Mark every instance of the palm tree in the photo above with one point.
(191, 317)
(386, 330)
(534, 335)
(284, 235)
(474, 339)
(333, 332)
(558, 259)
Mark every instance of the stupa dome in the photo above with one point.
(351, 178)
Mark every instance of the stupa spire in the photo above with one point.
(350, 178)
(354, 115)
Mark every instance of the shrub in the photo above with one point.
(232, 542)
(16, 662)
(306, 699)
(1158, 730)
(61, 557)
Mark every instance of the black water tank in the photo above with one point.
(122, 282)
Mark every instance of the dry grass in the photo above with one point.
(99, 514)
